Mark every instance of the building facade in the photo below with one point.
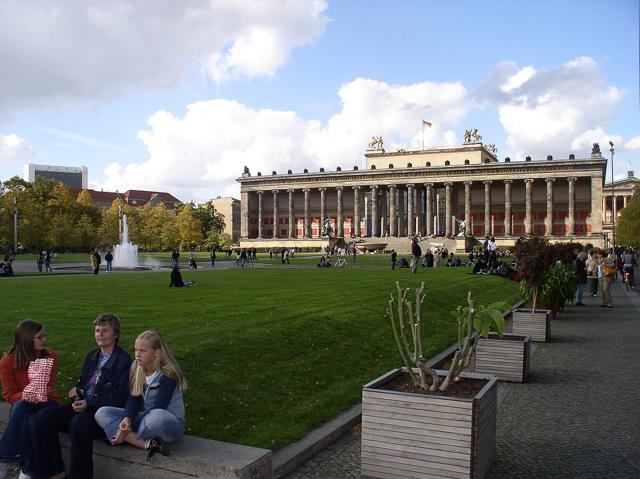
(458, 190)
(230, 209)
(72, 176)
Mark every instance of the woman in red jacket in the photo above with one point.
(28, 345)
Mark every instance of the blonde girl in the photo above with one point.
(154, 413)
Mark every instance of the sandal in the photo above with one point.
(156, 446)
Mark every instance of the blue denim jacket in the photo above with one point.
(113, 384)
(162, 393)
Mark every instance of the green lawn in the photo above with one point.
(269, 353)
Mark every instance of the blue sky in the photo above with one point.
(179, 96)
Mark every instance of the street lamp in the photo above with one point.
(613, 199)
(15, 225)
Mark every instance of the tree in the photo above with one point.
(628, 223)
(86, 233)
(211, 220)
(189, 227)
(152, 220)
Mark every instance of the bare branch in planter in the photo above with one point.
(404, 317)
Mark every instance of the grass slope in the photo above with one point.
(268, 353)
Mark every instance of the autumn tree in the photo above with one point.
(189, 227)
(628, 223)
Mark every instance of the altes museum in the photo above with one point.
(458, 191)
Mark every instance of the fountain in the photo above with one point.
(125, 254)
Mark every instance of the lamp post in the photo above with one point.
(15, 225)
(613, 200)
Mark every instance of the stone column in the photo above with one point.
(572, 206)
(487, 208)
(447, 208)
(596, 207)
(276, 215)
(307, 214)
(244, 215)
(401, 211)
(411, 217)
(528, 220)
(384, 211)
(355, 221)
(548, 221)
(260, 215)
(604, 209)
(429, 207)
(340, 226)
(292, 226)
(393, 223)
(323, 207)
(507, 208)
(375, 221)
(467, 208)
(420, 211)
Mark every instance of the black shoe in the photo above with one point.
(603, 305)
(609, 306)
(155, 445)
(580, 304)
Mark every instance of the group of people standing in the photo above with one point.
(597, 268)
(44, 260)
(137, 402)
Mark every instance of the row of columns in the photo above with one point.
(396, 214)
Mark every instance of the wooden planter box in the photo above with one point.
(537, 325)
(507, 358)
(419, 435)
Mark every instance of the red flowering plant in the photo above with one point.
(534, 256)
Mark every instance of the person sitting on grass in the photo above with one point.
(154, 413)
(176, 279)
(6, 269)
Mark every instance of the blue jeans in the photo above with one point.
(15, 445)
(580, 293)
(157, 423)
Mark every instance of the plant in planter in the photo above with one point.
(534, 256)
(424, 427)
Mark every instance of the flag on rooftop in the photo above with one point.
(425, 123)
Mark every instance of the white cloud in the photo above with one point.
(59, 53)
(14, 149)
(633, 143)
(200, 155)
(551, 112)
(597, 135)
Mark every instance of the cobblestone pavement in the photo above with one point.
(577, 417)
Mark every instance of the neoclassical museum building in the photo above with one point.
(462, 191)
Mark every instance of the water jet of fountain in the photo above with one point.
(125, 254)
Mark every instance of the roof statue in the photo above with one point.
(376, 143)
(595, 150)
(492, 148)
(472, 136)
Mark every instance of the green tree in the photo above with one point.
(152, 219)
(86, 233)
(61, 234)
(211, 220)
(628, 223)
(35, 213)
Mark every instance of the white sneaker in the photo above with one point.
(24, 475)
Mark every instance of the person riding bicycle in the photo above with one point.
(628, 263)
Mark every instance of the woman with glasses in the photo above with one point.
(28, 345)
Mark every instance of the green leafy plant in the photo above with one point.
(406, 322)
(558, 287)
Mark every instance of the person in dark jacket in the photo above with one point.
(104, 381)
(176, 279)
(581, 276)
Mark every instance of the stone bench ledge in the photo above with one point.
(190, 457)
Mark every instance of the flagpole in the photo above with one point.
(423, 136)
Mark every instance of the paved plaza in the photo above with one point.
(577, 417)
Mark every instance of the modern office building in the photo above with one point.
(72, 176)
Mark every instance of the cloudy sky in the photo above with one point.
(179, 96)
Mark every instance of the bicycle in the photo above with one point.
(628, 280)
